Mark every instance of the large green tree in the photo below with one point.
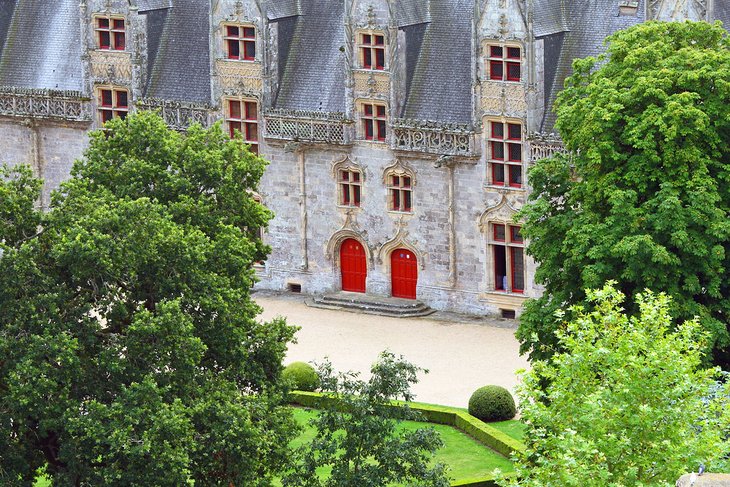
(627, 403)
(130, 352)
(644, 196)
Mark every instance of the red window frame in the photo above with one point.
(350, 181)
(372, 50)
(113, 103)
(400, 190)
(374, 121)
(240, 42)
(504, 63)
(242, 116)
(505, 154)
(508, 250)
(111, 33)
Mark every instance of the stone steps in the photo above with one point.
(362, 303)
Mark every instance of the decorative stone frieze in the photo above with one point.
(675, 10)
(543, 146)
(305, 126)
(110, 67)
(501, 98)
(237, 75)
(432, 137)
(44, 104)
(177, 115)
(371, 84)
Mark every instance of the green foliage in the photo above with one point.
(130, 353)
(301, 376)
(644, 198)
(358, 437)
(626, 404)
(492, 403)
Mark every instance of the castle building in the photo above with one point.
(399, 132)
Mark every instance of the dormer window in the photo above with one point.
(240, 42)
(372, 51)
(110, 33)
(242, 117)
(112, 103)
(374, 121)
(504, 63)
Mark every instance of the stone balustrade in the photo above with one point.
(433, 137)
(307, 126)
(177, 115)
(44, 104)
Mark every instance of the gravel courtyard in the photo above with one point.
(461, 353)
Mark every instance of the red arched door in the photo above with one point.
(354, 266)
(404, 273)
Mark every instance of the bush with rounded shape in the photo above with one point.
(492, 403)
(301, 376)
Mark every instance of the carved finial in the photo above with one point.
(503, 25)
(371, 16)
(108, 6)
(239, 8)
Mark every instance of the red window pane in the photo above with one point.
(500, 268)
(106, 115)
(498, 151)
(104, 40)
(381, 130)
(367, 58)
(498, 174)
(495, 51)
(381, 111)
(499, 233)
(233, 49)
(518, 269)
(232, 31)
(356, 195)
(122, 99)
(234, 127)
(345, 194)
(234, 109)
(366, 39)
(368, 129)
(251, 110)
(497, 130)
(122, 115)
(118, 24)
(103, 23)
(407, 203)
(496, 70)
(368, 109)
(379, 58)
(379, 40)
(252, 132)
(396, 199)
(395, 180)
(249, 50)
(356, 176)
(515, 176)
(514, 131)
(514, 234)
(513, 52)
(515, 152)
(119, 41)
(106, 98)
(513, 71)
(249, 32)
(406, 182)
(345, 175)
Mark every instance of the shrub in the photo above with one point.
(301, 376)
(492, 403)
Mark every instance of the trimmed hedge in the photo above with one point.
(301, 375)
(461, 420)
(492, 403)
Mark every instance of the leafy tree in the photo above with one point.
(358, 437)
(644, 197)
(626, 404)
(130, 353)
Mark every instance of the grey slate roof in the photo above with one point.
(147, 5)
(411, 12)
(589, 23)
(440, 88)
(279, 9)
(312, 75)
(549, 17)
(722, 12)
(42, 47)
(179, 68)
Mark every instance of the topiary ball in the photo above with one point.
(492, 403)
(301, 376)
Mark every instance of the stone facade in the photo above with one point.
(438, 86)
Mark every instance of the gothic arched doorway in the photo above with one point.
(404, 273)
(353, 265)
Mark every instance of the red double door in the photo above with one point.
(404, 273)
(354, 266)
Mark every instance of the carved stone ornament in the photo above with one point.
(433, 137)
(110, 67)
(349, 229)
(305, 126)
(345, 164)
(401, 240)
(44, 104)
(177, 115)
(399, 168)
(371, 84)
(543, 146)
(502, 212)
(504, 98)
(240, 76)
(677, 10)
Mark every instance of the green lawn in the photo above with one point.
(466, 457)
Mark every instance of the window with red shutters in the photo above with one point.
(374, 121)
(110, 33)
(350, 181)
(112, 103)
(372, 51)
(400, 193)
(240, 42)
(508, 254)
(504, 63)
(504, 142)
(242, 116)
